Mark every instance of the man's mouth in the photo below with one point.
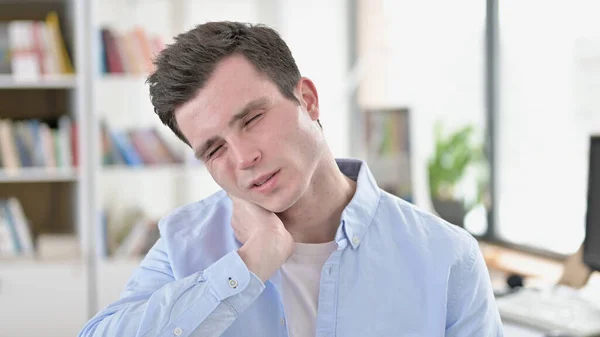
(264, 179)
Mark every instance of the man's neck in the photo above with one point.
(315, 217)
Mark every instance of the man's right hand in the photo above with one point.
(266, 243)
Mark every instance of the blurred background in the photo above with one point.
(478, 111)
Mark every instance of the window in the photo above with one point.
(549, 67)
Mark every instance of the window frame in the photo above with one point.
(492, 94)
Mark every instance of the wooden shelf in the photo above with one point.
(514, 262)
(42, 174)
(50, 82)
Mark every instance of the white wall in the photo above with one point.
(154, 16)
(318, 36)
(196, 12)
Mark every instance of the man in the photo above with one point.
(297, 243)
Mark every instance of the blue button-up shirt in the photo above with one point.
(397, 271)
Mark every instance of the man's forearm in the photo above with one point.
(197, 302)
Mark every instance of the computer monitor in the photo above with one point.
(591, 245)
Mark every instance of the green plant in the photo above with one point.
(452, 157)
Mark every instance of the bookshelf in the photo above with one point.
(44, 167)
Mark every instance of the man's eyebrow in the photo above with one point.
(200, 151)
(258, 103)
(252, 105)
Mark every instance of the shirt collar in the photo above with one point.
(359, 213)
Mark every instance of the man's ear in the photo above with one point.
(309, 98)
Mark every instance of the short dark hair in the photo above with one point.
(183, 67)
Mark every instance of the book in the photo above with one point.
(33, 143)
(128, 51)
(4, 49)
(31, 49)
(14, 222)
(135, 147)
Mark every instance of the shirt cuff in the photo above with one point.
(242, 301)
(228, 276)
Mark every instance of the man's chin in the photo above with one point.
(275, 206)
(278, 202)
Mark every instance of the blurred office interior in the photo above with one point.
(482, 112)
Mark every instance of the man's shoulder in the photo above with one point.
(196, 235)
(193, 215)
(423, 229)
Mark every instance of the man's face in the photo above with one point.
(257, 144)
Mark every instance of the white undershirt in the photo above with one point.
(301, 276)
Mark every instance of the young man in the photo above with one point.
(297, 243)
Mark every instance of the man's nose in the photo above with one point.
(245, 154)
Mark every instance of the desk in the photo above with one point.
(502, 262)
(540, 272)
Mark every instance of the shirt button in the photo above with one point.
(282, 321)
(177, 331)
(233, 283)
(355, 240)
